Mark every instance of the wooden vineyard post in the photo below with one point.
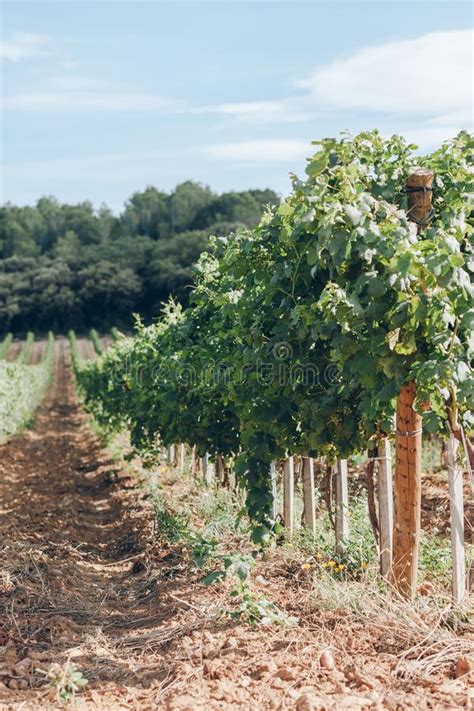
(194, 462)
(407, 484)
(182, 453)
(308, 494)
(385, 496)
(342, 503)
(207, 470)
(273, 478)
(289, 495)
(171, 455)
(456, 507)
(220, 469)
(407, 494)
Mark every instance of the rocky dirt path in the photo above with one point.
(72, 527)
(84, 581)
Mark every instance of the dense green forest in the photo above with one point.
(70, 266)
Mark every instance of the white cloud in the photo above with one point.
(243, 108)
(69, 92)
(428, 75)
(259, 151)
(22, 46)
(460, 118)
(290, 110)
(66, 92)
(86, 100)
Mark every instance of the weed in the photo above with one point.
(252, 608)
(218, 514)
(171, 525)
(355, 555)
(256, 609)
(435, 557)
(67, 680)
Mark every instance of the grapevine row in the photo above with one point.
(302, 332)
(22, 387)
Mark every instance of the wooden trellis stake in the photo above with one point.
(456, 506)
(407, 484)
(194, 462)
(182, 453)
(309, 511)
(273, 477)
(207, 470)
(289, 495)
(385, 496)
(220, 469)
(342, 503)
(171, 455)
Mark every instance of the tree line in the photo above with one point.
(72, 266)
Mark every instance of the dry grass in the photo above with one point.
(427, 636)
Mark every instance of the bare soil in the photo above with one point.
(38, 350)
(85, 579)
(85, 348)
(14, 351)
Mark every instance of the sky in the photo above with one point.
(100, 99)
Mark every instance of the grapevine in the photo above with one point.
(312, 322)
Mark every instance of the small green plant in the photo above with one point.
(174, 527)
(256, 609)
(355, 555)
(171, 525)
(435, 557)
(252, 607)
(234, 565)
(67, 680)
(222, 512)
(202, 550)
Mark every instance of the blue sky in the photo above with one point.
(100, 99)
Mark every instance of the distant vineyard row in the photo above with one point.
(22, 382)
(26, 370)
